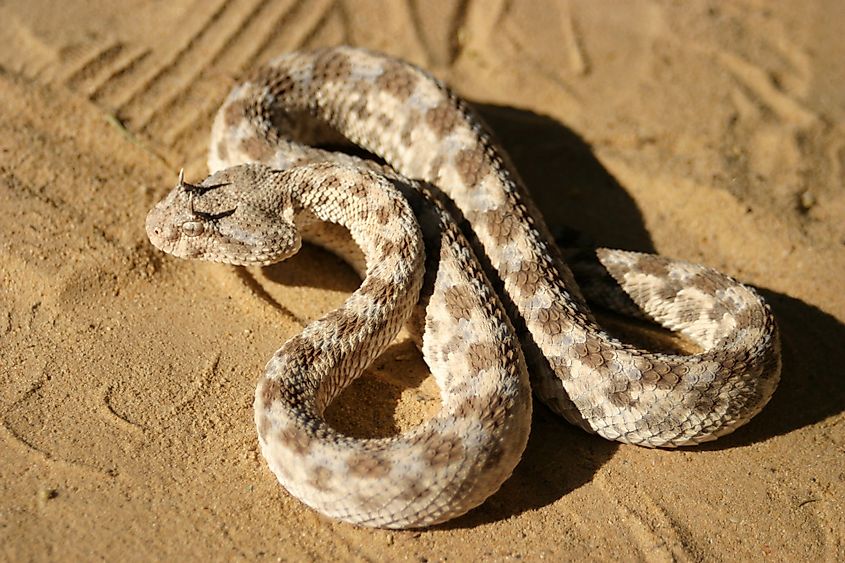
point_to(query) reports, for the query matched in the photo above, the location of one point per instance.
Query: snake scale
(483, 325)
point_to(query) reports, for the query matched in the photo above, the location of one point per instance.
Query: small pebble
(807, 200)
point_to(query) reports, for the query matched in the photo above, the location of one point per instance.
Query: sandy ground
(707, 131)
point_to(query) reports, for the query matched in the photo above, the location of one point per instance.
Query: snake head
(236, 216)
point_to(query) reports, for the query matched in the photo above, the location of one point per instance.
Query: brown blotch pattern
(501, 226)
(357, 189)
(577, 351)
(481, 355)
(443, 118)
(657, 375)
(668, 381)
(371, 466)
(651, 266)
(374, 287)
(472, 165)
(277, 81)
(459, 302)
(528, 279)
(397, 79)
(595, 357)
(382, 215)
(332, 65)
(553, 320)
(295, 439)
(444, 450)
(320, 478)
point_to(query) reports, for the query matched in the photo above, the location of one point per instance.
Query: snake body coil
(451, 463)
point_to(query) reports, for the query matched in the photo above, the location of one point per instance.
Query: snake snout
(160, 230)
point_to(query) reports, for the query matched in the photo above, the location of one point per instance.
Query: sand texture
(708, 131)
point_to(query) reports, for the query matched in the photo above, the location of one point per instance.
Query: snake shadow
(584, 206)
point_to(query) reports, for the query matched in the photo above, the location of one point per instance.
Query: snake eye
(193, 228)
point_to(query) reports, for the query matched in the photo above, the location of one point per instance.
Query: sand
(706, 131)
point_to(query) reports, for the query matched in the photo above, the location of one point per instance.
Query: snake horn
(194, 189)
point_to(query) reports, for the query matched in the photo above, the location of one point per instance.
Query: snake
(438, 223)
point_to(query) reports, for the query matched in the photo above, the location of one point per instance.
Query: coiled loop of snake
(454, 461)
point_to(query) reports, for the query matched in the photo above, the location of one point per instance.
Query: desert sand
(707, 131)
